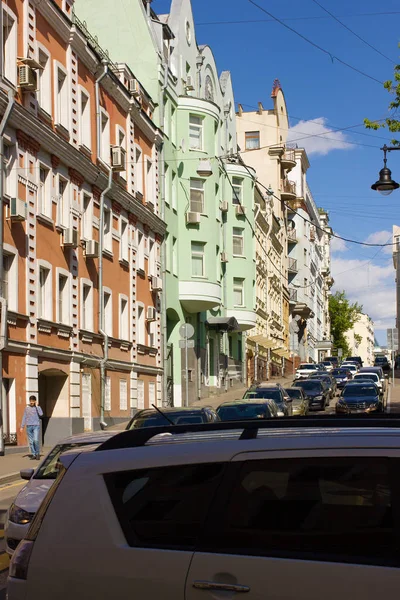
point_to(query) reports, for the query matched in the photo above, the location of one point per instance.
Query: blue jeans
(33, 438)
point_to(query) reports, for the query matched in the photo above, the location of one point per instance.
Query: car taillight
(20, 560)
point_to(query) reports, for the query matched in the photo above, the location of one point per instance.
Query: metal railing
(288, 187)
(292, 235)
(292, 266)
(289, 155)
(292, 295)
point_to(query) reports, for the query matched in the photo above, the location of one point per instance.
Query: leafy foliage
(343, 315)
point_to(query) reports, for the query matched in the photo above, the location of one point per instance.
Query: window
(105, 147)
(63, 203)
(167, 184)
(123, 394)
(10, 280)
(107, 300)
(195, 133)
(87, 217)
(237, 190)
(139, 171)
(329, 509)
(107, 229)
(43, 193)
(166, 117)
(140, 251)
(174, 256)
(10, 173)
(238, 241)
(123, 318)
(124, 243)
(87, 306)
(252, 140)
(164, 507)
(167, 243)
(140, 393)
(63, 304)
(150, 195)
(140, 324)
(152, 333)
(197, 195)
(84, 123)
(10, 46)
(198, 259)
(152, 269)
(173, 125)
(107, 394)
(174, 192)
(238, 292)
(62, 104)
(44, 83)
(152, 393)
(45, 309)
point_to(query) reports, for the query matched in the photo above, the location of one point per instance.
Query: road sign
(186, 343)
(186, 331)
(392, 339)
(340, 352)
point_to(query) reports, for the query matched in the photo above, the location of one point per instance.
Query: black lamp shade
(385, 182)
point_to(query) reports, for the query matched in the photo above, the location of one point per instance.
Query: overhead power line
(319, 18)
(332, 56)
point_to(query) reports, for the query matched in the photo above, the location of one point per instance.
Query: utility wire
(353, 32)
(374, 14)
(333, 57)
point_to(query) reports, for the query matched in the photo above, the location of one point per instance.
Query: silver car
(26, 504)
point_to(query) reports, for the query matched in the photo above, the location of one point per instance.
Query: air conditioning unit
(224, 257)
(189, 83)
(156, 284)
(240, 210)
(224, 206)
(92, 249)
(17, 209)
(151, 313)
(27, 78)
(70, 237)
(118, 158)
(192, 217)
(134, 87)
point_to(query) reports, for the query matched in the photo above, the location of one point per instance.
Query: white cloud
(382, 237)
(304, 133)
(338, 245)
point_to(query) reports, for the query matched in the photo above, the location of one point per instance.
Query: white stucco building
(361, 339)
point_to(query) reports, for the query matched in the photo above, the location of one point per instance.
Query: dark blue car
(342, 377)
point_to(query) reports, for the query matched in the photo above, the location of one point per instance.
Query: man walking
(31, 419)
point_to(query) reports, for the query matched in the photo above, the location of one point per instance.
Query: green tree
(343, 315)
(393, 124)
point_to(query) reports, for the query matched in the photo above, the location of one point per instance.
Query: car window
(243, 411)
(160, 421)
(292, 393)
(49, 468)
(261, 393)
(307, 366)
(309, 386)
(331, 509)
(164, 507)
(359, 390)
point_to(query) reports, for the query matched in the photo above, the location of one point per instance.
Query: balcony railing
(292, 266)
(292, 295)
(288, 187)
(292, 235)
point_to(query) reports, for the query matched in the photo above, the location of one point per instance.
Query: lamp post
(385, 184)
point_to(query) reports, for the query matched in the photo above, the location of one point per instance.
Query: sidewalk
(11, 464)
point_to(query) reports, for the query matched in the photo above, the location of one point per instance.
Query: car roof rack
(135, 438)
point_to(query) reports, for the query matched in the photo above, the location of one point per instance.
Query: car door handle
(224, 587)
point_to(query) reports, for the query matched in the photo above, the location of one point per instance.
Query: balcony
(247, 319)
(292, 236)
(198, 296)
(292, 265)
(288, 190)
(288, 160)
(292, 296)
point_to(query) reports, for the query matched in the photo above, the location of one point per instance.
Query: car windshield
(307, 367)
(159, 421)
(371, 377)
(263, 393)
(327, 363)
(381, 359)
(293, 393)
(309, 386)
(243, 411)
(50, 467)
(359, 390)
(339, 372)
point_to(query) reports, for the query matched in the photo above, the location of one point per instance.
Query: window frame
(198, 254)
(235, 288)
(140, 249)
(61, 97)
(236, 237)
(237, 186)
(108, 311)
(140, 324)
(44, 201)
(139, 176)
(63, 202)
(44, 94)
(123, 317)
(87, 216)
(9, 56)
(250, 135)
(124, 239)
(85, 124)
(198, 190)
(86, 316)
(45, 299)
(199, 129)
(105, 137)
(108, 217)
(10, 253)
(65, 299)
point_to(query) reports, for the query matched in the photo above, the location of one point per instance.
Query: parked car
(329, 380)
(374, 377)
(273, 391)
(317, 393)
(150, 417)
(380, 372)
(356, 359)
(327, 365)
(360, 397)
(299, 400)
(241, 410)
(353, 367)
(30, 497)
(221, 513)
(342, 377)
(382, 361)
(304, 370)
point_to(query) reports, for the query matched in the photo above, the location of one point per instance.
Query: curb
(4, 479)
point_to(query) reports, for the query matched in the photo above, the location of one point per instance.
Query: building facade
(81, 224)
(361, 339)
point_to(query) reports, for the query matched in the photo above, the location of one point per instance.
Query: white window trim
(174, 190)
(46, 202)
(64, 121)
(59, 319)
(203, 211)
(83, 141)
(107, 394)
(203, 255)
(152, 252)
(140, 332)
(140, 250)
(105, 138)
(108, 324)
(241, 236)
(12, 300)
(108, 238)
(199, 128)
(49, 289)
(118, 130)
(242, 290)
(150, 181)
(64, 216)
(89, 216)
(139, 180)
(152, 332)
(122, 326)
(88, 283)
(124, 256)
(236, 201)
(175, 256)
(9, 66)
(125, 405)
(10, 167)
(46, 105)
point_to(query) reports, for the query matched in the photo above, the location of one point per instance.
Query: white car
(304, 370)
(29, 499)
(328, 365)
(374, 377)
(352, 367)
(201, 512)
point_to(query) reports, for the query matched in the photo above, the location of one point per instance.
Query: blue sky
(345, 163)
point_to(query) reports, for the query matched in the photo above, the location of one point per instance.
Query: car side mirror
(26, 473)
(288, 399)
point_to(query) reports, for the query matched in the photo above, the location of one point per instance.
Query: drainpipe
(3, 301)
(104, 360)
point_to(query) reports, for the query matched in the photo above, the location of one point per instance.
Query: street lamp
(385, 184)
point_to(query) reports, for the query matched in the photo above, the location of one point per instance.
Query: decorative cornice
(55, 161)
(116, 208)
(26, 142)
(76, 177)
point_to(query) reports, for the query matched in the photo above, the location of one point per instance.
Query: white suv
(305, 370)
(275, 509)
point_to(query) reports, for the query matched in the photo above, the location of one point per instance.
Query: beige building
(361, 339)
(261, 136)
